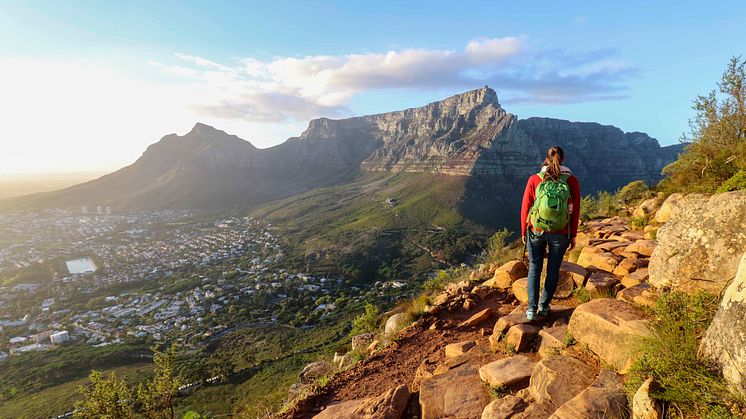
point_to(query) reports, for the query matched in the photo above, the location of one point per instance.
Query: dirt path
(397, 364)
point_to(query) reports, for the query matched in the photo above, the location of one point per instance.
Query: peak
(482, 96)
(200, 128)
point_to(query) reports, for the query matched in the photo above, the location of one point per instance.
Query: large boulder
(559, 378)
(605, 398)
(700, 245)
(514, 371)
(508, 273)
(611, 329)
(664, 212)
(395, 323)
(389, 405)
(725, 340)
(457, 393)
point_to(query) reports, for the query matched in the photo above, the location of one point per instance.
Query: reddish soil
(396, 364)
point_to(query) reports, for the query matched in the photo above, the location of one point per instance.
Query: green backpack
(549, 211)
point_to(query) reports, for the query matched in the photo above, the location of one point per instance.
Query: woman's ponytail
(553, 162)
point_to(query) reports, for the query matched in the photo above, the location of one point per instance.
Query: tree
(156, 396)
(366, 322)
(717, 143)
(105, 398)
(111, 398)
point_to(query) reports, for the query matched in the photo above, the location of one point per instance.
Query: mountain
(469, 136)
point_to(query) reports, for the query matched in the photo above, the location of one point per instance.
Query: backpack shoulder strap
(564, 177)
(540, 175)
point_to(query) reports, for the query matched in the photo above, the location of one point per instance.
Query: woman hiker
(549, 219)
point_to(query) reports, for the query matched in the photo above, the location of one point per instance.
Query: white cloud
(299, 88)
(72, 115)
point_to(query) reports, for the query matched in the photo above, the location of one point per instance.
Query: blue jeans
(537, 246)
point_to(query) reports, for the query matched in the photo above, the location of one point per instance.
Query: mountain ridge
(467, 134)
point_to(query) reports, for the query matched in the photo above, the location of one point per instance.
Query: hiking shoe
(543, 311)
(530, 314)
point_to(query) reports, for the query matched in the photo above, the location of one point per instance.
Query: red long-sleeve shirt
(529, 196)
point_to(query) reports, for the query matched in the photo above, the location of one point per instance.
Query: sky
(88, 85)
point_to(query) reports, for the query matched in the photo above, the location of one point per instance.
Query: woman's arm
(529, 195)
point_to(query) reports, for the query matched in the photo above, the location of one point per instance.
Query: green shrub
(497, 249)
(366, 322)
(736, 183)
(669, 356)
(582, 295)
(588, 208)
(633, 192)
(717, 144)
(640, 222)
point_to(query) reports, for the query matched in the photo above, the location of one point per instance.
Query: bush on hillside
(670, 357)
(633, 193)
(717, 143)
(366, 322)
(736, 183)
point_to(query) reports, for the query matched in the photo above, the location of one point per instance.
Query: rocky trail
(474, 354)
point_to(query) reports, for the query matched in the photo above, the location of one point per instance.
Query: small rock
(438, 324)
(647, 207)
(509, 372)
(522, 337)
(559, 378)
(509, 273)
(565, 286)
(610, 246)
(643, 247)
(575, 271)
(628, 294)
(373, 345)
(481, 291)
(605, 398)
(455, 349)
(458, 393)
(520, 290)
(477, 318)
(440, 299)
(469, 304)
(601, 284)
(314, 371)
(601, 260)
(636, 277)
(362, 341)
(627, 266)
(420, 374)
(643, 405)
(503, 408)
(552, 340)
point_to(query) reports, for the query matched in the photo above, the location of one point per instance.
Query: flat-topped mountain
(467, 135)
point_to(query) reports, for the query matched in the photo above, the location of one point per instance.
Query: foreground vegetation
(688, 385)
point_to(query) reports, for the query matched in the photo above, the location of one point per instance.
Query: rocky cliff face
(467, 135)
(471, 135)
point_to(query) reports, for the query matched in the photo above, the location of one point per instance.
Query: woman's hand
(523, 239)
(572, 244)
